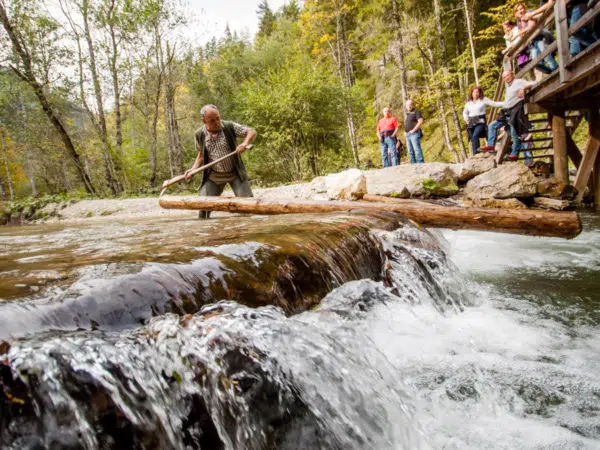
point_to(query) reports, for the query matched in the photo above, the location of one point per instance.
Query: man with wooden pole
(214, 140)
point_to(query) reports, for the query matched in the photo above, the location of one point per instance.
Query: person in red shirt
(387, 128)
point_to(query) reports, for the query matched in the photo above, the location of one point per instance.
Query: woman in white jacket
(474, 115)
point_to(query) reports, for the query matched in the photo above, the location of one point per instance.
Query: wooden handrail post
(562, 36)
(559, 140)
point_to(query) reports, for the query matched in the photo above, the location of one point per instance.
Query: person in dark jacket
(513, 113)
(215, 139)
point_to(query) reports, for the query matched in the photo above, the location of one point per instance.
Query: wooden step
(533, 149)
(541, 139)
(536, 157)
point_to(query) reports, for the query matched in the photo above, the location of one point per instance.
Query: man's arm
(249, 139)
(418, 125)
(197, 163)
(534, 14)
(526, 85)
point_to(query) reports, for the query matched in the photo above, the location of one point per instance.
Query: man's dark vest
(229, 132)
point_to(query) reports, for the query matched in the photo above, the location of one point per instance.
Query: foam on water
(438, 355)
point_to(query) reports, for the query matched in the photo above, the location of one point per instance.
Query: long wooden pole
(517, 221)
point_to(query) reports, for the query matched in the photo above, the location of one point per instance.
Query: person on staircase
(527, 19)
(474, 116)
(512, 114)
(585, 36)
(215, 139)
(387, 130)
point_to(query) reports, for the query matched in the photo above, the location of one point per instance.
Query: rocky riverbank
(477, 182)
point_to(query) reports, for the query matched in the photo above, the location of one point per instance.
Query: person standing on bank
(412, 127)
(387, 129)
(474, 116)
(215, 139)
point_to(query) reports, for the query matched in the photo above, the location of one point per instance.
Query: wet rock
(291, 267)
(510, 180)
(420, 180)
(476, 165)
(509, 203)
(554, 188)
(552, 203)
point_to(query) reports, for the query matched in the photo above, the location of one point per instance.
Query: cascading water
(424, 354)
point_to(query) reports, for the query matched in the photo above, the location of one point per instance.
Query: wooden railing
(556, 16)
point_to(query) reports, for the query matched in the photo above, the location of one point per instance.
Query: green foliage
(430, 184)
(309, 72)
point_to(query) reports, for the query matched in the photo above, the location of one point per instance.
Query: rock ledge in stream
(420, 180)
(510, 180)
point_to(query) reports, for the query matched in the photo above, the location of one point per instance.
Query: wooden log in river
(517, 221)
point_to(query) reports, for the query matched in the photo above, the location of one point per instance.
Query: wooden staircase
(560, 102)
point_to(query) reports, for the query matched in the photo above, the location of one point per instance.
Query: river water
(297, 332)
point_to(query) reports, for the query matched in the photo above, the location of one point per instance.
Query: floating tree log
(517, 221)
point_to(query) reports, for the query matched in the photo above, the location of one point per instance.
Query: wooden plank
(537, 157)
(573, 152)
(596, 186)
(562, 39)
(504, 148)
(534, 108)
(583, 65)
(517, 221)
(590, 155)
(497, 97)
(559, 141)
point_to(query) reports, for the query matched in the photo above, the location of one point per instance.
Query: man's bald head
(211, 117)
(508, 76)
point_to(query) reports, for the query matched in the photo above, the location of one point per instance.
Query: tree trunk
(172, 128)
(31, 173)
(516, 221)
(65, 172)
(28, 77)
(471, 42)
(399, 52)
(111, 179)
(342, 55)
(8, 176)
(156, 104)
(442, 39)
(441, 109)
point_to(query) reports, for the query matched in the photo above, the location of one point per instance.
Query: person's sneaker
(512, 157)
(487, 148)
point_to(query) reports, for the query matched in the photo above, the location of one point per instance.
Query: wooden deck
(563, 100)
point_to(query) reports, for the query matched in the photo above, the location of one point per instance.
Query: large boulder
(476, 165)
(420, 180)
(510, 180)
(348, 185)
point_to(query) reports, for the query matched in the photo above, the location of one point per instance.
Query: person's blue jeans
(583, 38)
(548, 64)
(493, 129)
(389, 143)
(413, 142)
(475, 133)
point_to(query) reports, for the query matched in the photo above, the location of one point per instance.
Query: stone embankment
(477, 182)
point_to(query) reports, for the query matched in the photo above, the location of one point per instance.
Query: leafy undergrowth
(32, 208)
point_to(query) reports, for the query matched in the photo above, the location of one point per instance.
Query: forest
(102, 97)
